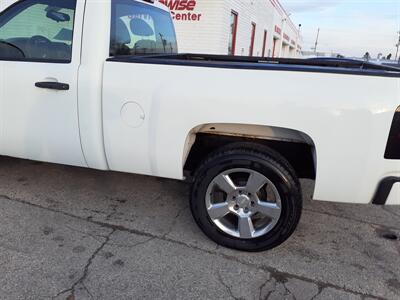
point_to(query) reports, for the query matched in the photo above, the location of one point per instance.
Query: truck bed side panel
(348, 118)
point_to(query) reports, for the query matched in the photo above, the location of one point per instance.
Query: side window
(140, 29)
(38, 30)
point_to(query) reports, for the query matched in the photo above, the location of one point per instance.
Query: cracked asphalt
(71, 233)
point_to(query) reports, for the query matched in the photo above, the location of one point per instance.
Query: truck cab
(100, 84)
(45, 49)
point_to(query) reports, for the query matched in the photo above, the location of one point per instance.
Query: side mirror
(58, 16)
(141, 28)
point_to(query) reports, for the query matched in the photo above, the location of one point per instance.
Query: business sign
(182, 10)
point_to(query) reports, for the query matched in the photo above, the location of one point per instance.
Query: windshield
(141, 29)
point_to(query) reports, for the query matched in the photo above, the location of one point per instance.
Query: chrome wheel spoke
(246, 228)
(271, 210)
(255, 182)
(218, 211)
(225, 183)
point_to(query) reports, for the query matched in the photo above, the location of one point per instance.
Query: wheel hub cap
(243, 201)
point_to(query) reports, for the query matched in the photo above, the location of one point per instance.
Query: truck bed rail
(319, 65)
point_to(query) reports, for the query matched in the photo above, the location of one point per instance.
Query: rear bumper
(388, 191)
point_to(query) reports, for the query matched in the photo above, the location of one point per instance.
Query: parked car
(100, 84)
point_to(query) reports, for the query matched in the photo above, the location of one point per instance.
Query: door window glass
(38, 30)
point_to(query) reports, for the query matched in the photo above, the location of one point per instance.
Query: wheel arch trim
(249, 131)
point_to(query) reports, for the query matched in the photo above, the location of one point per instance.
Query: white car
(99, 84)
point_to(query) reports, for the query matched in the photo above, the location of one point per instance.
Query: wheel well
(300, 155)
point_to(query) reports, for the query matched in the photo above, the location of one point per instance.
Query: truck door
(40, 56)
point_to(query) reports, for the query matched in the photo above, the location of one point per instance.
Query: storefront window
(264, 43)
(253, 35)
(274, 47)
(232, 35)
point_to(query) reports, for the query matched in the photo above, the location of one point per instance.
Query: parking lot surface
(71, 233)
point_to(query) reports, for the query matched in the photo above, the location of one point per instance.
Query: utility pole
(316, 42)
(298, 41)
(397, 48)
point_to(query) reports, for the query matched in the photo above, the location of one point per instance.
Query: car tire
(220, 188)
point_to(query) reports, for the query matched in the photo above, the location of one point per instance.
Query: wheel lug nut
(246, 210)
(236, 207)
(252, 203)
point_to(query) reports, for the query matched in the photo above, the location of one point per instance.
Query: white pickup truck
(99, 84)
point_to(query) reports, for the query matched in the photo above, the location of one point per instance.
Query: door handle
(52, 85)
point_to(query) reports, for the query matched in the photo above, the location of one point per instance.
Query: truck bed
(319, 65)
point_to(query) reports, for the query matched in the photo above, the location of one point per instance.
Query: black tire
(265, 161)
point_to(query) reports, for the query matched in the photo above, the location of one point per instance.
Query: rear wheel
(246, 197)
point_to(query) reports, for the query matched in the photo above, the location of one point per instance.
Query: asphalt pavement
(73, 233)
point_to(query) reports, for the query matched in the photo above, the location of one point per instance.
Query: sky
(348, 27)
